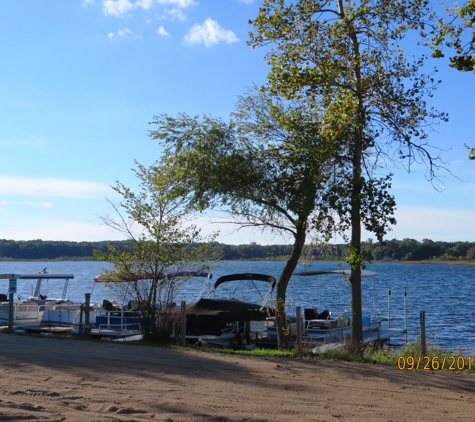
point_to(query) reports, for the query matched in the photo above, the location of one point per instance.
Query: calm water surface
(446, 293)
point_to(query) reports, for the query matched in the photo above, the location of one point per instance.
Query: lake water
(445, 292)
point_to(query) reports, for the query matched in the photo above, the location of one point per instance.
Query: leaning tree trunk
(283, 329)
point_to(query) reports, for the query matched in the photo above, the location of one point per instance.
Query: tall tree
(271, 168)
(347, 62)
(457, 33)
(161, 242)
(268, 167)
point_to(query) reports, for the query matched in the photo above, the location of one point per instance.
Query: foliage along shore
(407, 250)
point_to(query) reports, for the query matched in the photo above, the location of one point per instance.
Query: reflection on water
(444, 292)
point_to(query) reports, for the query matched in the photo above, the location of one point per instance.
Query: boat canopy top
(190, 274)
(246, 276)
(37, 276)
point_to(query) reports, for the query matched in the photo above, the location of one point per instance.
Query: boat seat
(313, 314)
(3, 297)
(322, 324)
(108, 306)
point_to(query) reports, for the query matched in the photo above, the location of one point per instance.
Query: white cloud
(161, 31)
(246, 1)
(174, 14)
(50, 186)
(180, 3)
(119, 7)
(210, 33)
(124, 32)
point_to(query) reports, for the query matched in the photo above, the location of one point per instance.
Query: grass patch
(410, 357)
(371, 353)
(270, 353)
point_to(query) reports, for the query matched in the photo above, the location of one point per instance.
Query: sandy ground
(50, 379)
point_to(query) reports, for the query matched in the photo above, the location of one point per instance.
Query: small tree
(160, 243)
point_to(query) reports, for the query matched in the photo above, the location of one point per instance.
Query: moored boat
(334, 332)
(29, 311)
(225, 322)
(126, 322)
(322, 330)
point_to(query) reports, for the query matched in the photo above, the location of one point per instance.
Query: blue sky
(81, 79)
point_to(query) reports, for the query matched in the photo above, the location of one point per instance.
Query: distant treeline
(412, 250)
(49, 249)
(401, 250)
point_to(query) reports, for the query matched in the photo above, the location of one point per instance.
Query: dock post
(405, 315)
(87, 317)
(389, 307)
(80, 321)
(85, 329)
(10, 312)
(299, 328)
(423, 334)
(11, 290)
(183, 323)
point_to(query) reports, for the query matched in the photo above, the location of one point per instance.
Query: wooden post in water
(183, 323)
(389, 308)
(405, 316)
(299, 328)
(423, 334)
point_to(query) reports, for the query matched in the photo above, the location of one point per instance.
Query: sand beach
(49, 379)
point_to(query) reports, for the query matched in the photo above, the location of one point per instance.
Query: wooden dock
(381, 336)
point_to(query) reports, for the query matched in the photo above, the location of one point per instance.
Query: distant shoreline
(406, 250)
(466, 263)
